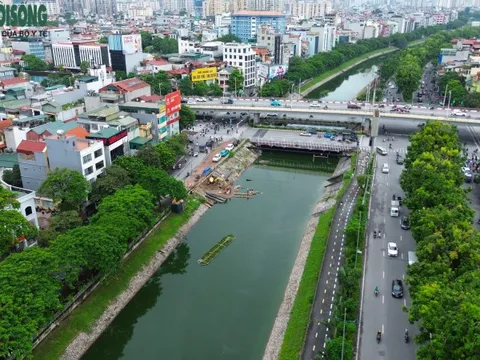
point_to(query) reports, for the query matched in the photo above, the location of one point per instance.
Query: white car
(385, 169)
(315, 104)
(217, 157)
(459, 113)
(201, 99)
(392, 249)
(229, 147)
(305, 134)
(191, 102)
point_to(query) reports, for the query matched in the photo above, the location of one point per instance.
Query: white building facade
(241, 56)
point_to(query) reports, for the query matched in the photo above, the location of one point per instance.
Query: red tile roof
(18, 52)
(29, 147)
(5, 123)
(261, 51)
(13, 81)
(78, 132)
(179, 71)
(151, 98)
(127, 85)
(158, 62)
(468, 42)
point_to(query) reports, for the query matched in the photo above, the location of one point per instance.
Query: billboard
(132, 43)
(204, 74)
(173, 102)
(271, 72)
(111, 140)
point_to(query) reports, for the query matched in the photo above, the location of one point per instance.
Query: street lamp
(445, 96)
(291, 95)
(449, 99)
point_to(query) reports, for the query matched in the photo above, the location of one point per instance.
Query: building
(7, 73)
(127, 90)
(82, 155)
(26, 200)
(115, 143)
(71, 54)
(14, 83)
(125, 52)
(58, 35)
(245, 24)
(241, 56)
(309, 10)
(33, 163)
(39, 133)
(31, 46)
(154, 66)
(214, 7)
(107, 8)
(327, 37)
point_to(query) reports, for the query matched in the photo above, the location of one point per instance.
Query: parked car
(392, 249)
(229, 147)
(399, 160)
(224, 153)
(397, 288)
(353, 106)
(217, 157)
(405, 223)
(191, 102)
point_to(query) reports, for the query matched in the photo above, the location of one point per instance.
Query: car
(217, 157)
(468, 176)
(210, 98)
(399, 160)
(305, 134)
(272, 114)
(465, 169)
(459, 113)
(191, 102)
(224, 153)
(385, 169)
(392, 249)
(184, 101)
(275, 103)
(315, 104)
(243, 113)
(397, 288)
(353, 106)
(229, 147)
(201, 99)
(405, 223)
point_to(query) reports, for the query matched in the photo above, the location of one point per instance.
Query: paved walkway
(323, 311)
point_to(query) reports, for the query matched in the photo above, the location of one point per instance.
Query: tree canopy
(34, 63)
(187, 117)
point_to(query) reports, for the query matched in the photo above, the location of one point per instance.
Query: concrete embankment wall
(327, 201)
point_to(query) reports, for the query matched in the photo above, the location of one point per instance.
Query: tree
(84, 66)
(160, 82)
(64, 221)
(215, 89)
(114, 178)
(167, 156)
(150, 156)
(186, 86)
(147, 39)
(165, 45)
(13, 177)
(132, 164)
(235, 81)
(187, 117)
(178, 143)
(160, 184)
(34, 63)
(200, 88)
(103, 40)
(67, 186)
(229, 38)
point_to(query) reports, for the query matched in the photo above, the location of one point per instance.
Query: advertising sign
(204, 74)
(132, 44)
(276, 71)
(173, 102)
(111, 140)
(263, 70)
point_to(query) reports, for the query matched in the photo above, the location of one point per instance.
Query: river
(224, 310)
(346, 87)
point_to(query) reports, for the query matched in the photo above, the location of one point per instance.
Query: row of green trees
(445, 282)
(39, 281)
(407, 66)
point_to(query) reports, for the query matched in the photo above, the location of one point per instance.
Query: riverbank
(99, 309)
(329, 75)
(294, 312)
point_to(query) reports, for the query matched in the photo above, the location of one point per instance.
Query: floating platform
(211, 254)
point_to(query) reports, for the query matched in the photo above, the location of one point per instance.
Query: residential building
(26, 200)
(222, 77)
(245, 24)
(82, 155)
(327, 37)
(266, 38)
(3, 139)
(214, 7)
(7, 73)
(154, 66)
(39, 133)
(71, 54)
(127, 90)
(31, 46)
(15, 82)
(33, 163)
(115, 143)
(97, 79)
(266, 5)
(57, 112)
(125, 52)
(241, 56)
(58, 35)
(308, 10)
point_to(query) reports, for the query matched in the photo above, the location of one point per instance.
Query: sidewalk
(322, 313)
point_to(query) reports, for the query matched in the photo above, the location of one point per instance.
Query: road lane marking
(333, 292)
(313, 347)
(324, 345)
(334, 286)
(383, 329)
(325, 291)
(383, 299)
(403, 276)
(326, 282)
(401, 237)
(321, 312)
(328, 321)
(323, 300)
(316, 335)
(333, 299)
(404, 302)
(384, 220)
(383, 253)
(337, 267)
(383, 272)
(329, 273)
(331, 306)
(401, 256)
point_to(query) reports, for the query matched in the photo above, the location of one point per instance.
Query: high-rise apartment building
(245, 24)
(309, 9)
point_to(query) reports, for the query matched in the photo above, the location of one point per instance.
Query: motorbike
(379, 234)
(394, 197)
(376, 292)
(325, 107)
(375, 233)
(406, 336)
(379, 336)
(390, 146)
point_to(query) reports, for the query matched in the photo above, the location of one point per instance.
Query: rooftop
(158, 62)
(8, 160)
(5, 68)
(127, 85)
(53, 127)
(256, 13)
(105, 133)
(103, 111)
(140, 105)
(13, 81)
(29, 119)
(5, 123)
(29, 146)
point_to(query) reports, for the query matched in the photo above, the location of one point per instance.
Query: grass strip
(215, 250)
(344, 65)
(85, 315)
(300, 316)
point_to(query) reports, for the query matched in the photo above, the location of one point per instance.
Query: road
(322, 310)
(305, 105)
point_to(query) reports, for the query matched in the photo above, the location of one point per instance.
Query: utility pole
(445, 96)
(358, 236)
(343, 340)
(449, 100)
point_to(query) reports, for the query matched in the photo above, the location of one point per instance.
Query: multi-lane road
(249, 105)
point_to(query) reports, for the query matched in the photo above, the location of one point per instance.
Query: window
(99, 165)
(87, 158)
(98, 153)
(88, 170)
(28, 211)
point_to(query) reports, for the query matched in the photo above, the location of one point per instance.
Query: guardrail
(305, 145)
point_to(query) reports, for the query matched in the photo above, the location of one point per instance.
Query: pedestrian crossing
(402, 151)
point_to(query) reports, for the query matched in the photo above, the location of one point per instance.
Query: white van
(412, 257)
(381, 151)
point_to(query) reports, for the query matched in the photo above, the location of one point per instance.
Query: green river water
(224, 310)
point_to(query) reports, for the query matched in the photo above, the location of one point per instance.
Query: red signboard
(110, 140)
(173, 102)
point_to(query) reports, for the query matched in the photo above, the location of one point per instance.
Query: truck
(275, 103)
(395, 208)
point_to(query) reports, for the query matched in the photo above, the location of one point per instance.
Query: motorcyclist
(406, 336)
(379, 335)
(390, 146)
(375, 234)
(379, 233)
(376, 290)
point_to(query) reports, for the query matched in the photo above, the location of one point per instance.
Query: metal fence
(306, 145)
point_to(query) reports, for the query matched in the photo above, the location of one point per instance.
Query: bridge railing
(308, 145)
